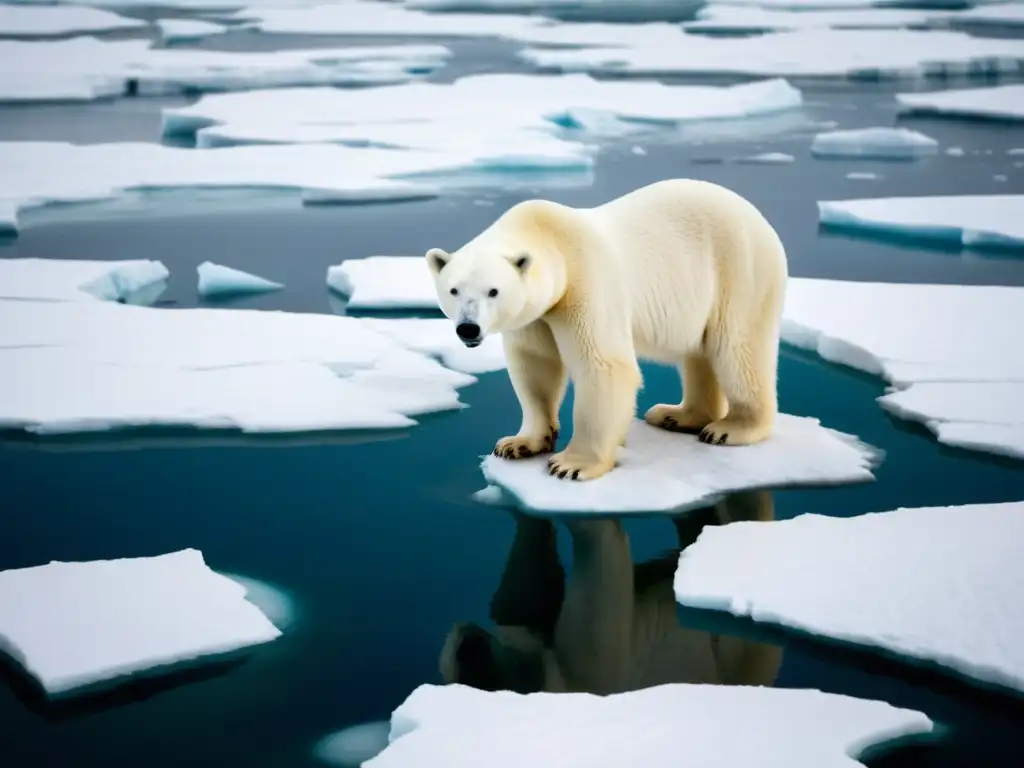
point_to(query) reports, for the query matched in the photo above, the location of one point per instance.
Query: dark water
(377, 543)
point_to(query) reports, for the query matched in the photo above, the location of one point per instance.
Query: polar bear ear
(437, 259)
(521, 261)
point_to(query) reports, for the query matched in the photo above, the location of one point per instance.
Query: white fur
(681, 271)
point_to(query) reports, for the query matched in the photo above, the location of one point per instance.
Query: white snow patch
(931, 584)
(454, 725)
(353, 746)
(86, 624)
(1000, 101)
(188, 30)
(868, 54)
(768, 158)
(660, 471)
(874, 143)
(138, 281)
(436, 337)
(518, 120)
(384, 282)
(53, 20)
(949, 340)
(976, 221)
(93, 366)
(218, 280)
(725, 18)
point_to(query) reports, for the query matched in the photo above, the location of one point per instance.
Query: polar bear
(681, 271)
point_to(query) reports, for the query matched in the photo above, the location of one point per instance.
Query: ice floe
(86, 625)
(874, 144)
(218, 280)
(455, 726)
(94, 366)
(187, 30)
(661, 472)
(812, 53)
(436, 337)
(515, 119)
(1002, 14)
(938, 585)
(728, 18)
(633, 11)
(86, 67)
(353, 746)
(55, 20)
(974, 221)
(138, 281)
(768, 158)
(384, 282)
(1004, 102)
(951, 341)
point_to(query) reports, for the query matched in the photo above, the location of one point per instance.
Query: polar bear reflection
(613, 627)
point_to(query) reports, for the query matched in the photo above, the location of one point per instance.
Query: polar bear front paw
(568, 467)
(734, 432)
(525, 446)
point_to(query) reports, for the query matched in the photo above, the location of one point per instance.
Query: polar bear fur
(682, 272)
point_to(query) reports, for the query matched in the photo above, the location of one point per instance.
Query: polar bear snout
(469, 334)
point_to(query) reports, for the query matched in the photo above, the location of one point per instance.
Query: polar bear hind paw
(734, 432)
(675, 418)
(566, 468)
(525, 446)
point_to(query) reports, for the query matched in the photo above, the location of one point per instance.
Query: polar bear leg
(539, 380)
(703, 400)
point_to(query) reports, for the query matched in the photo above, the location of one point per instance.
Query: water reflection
(612, 626)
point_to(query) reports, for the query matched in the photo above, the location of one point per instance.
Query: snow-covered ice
(877, 143)
(517, 119)
(1004, 102)
(867, 54)
(54, 20)
(93, 366)
(351, 747)
(76, 625)
(83, 68)
(729, 18)
(938, 585)
(384, 282)
(138, 281)
(188, 30)
(457, 726)
(218, 280)
(662, 472)
(951, 341)
(975, 221)
(436, 337)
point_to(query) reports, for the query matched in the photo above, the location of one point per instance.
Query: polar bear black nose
(468, 331)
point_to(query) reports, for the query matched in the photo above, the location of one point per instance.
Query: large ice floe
(513, 118)
(55, 20)
(810, 53)
(973, 221)
(876, 143)
(719, 17)
(84, 626)
(945, 348)
(457, 726)
(661, 471)
(1003, 102)
(84, 68)
(933, 585)
(138, 281)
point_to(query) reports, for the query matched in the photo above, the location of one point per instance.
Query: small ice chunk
(1000, 177)
(456, 726)
(862, 175)
(187, 30)
(90, 624)
(436, 337)
(54, 20)
(955, 152)
(721, 17)
(874, 143)
(974, 221)
(662, 472)
(1001, 101)
(490, 495)
(934, 584)
(384, 282)
(638, 150)
(768, 158)
(353, 746)
(137, 281)
(218, 280)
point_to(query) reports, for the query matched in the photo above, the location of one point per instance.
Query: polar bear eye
(454, 291)
(493, 292)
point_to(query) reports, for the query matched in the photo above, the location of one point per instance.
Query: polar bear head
(481, 291)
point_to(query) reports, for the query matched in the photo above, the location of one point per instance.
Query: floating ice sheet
(811, 53)
(91, 624)
(874, 144)
(976, 221)
(137, 281)
(937, 585)
(514, 119)
(461, 727)
(93, 366)
(1001, 101)
(86, 67)
(728, 18)
(188, 30)
(950, 340)
(662, 472)
(384, 282)
(54, 20)
(218, 280)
